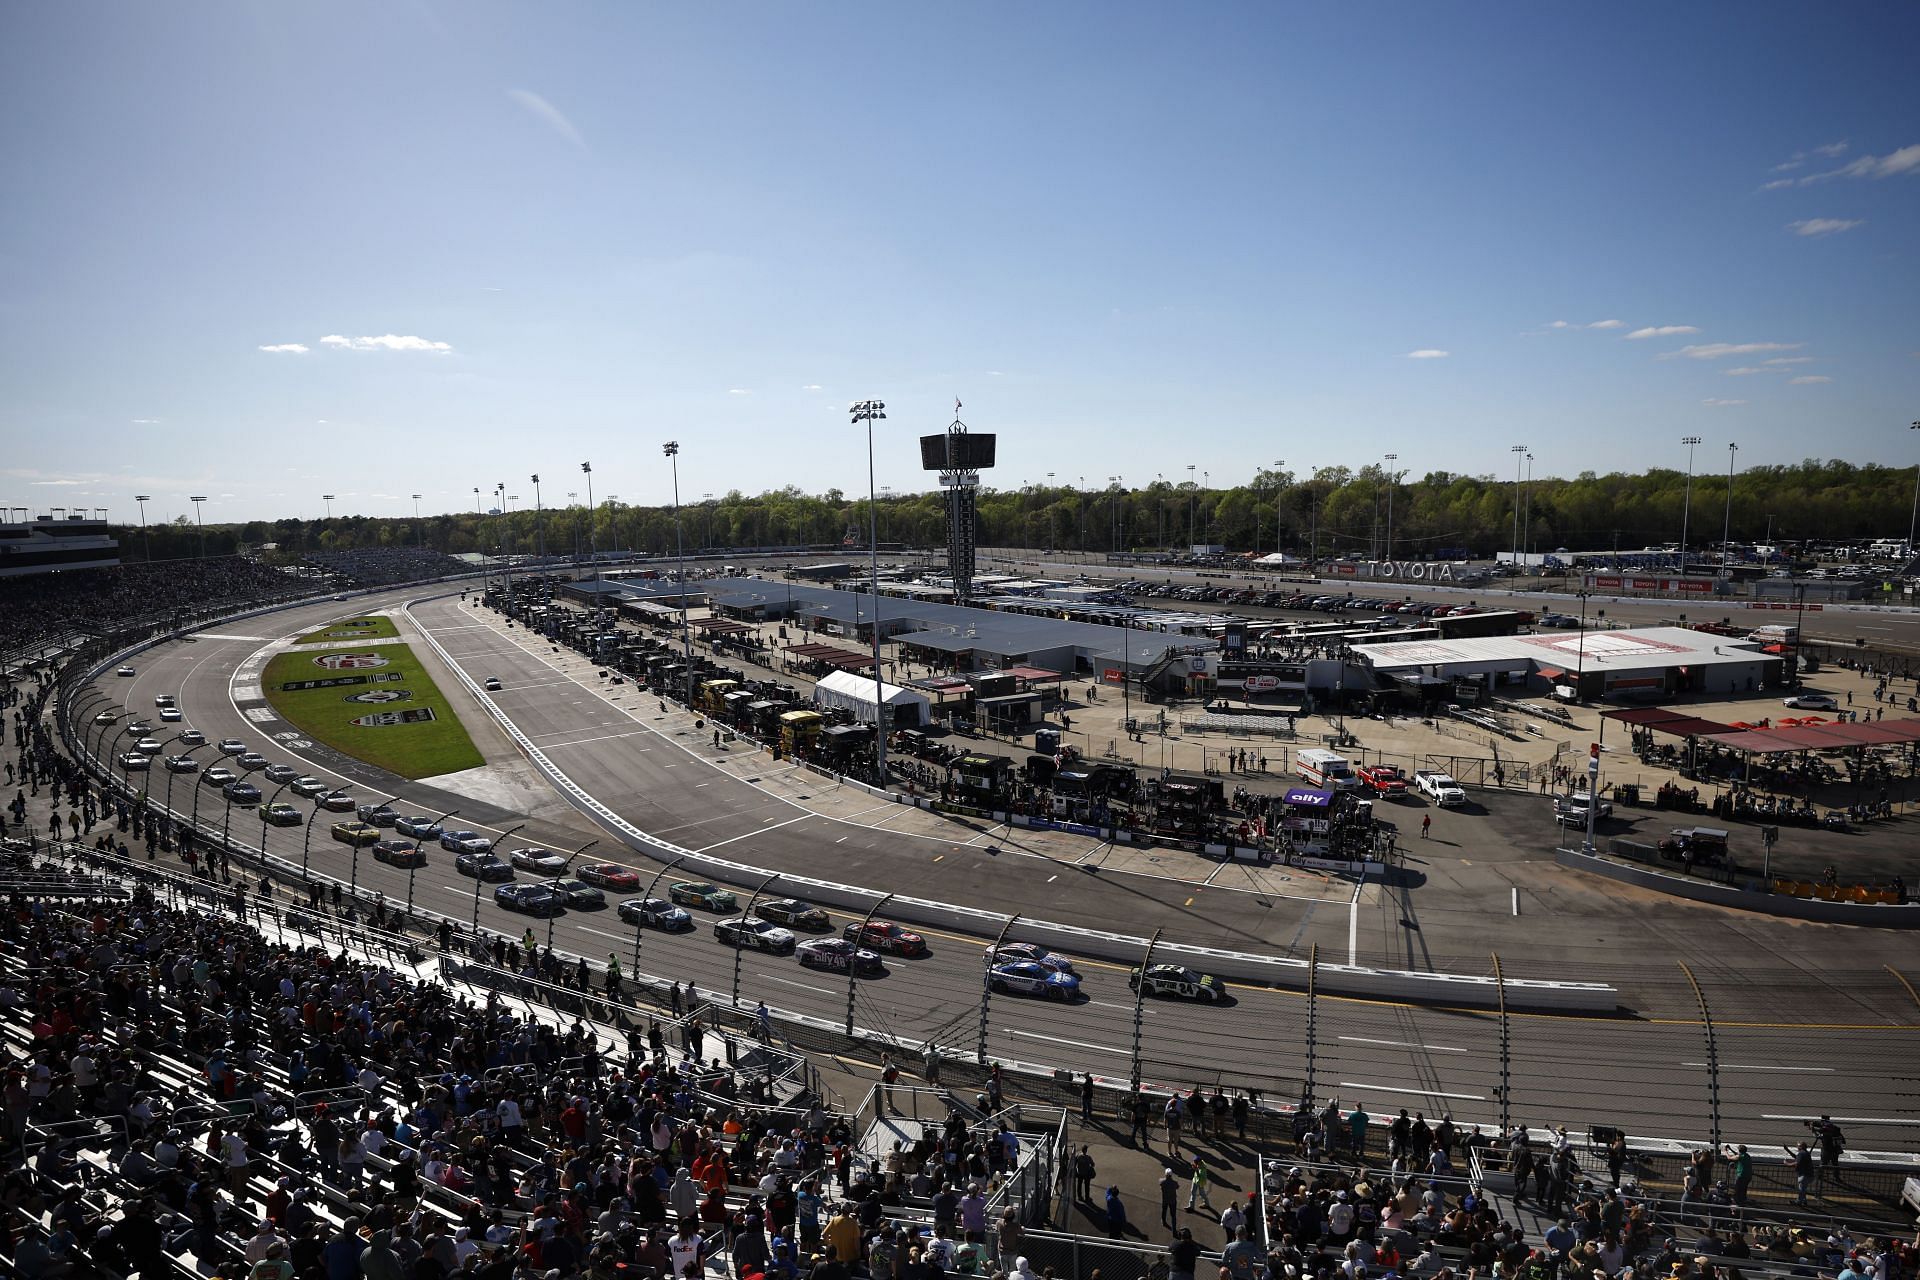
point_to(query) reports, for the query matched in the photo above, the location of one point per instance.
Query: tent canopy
(1822, 737)
(908, 708)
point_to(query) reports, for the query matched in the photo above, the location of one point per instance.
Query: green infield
(362, 628)
(377, 705)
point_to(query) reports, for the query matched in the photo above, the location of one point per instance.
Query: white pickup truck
(1572, 810)
(1439, 788)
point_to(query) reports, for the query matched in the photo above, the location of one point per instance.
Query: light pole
(306, 843)
(328, 499)
(1191, 493)
(640, 917)
(1391, 459)
(1913, 521)
(1081, 497)
(1517, 451)
(419, 539)
(1049, 513)
(1726, 530)
(199, 523)
(738, 950)
(171, 775)
(1526, 521)
(144, 498)
(1279, 489)
(353, 885)
(539, 519)
(672, 449)
(1115, 525)
(413, 863)
(477, 882)
(593, 550)
(1686, 507)
(553, 886)
(867, 411)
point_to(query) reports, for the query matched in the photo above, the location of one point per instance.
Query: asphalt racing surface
(1811, 1018)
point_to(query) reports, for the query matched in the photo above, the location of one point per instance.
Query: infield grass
(420, 750)
(355, 628)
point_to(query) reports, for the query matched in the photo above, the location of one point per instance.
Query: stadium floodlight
(868, 411)
(143, 499)
(1686, 506)
(196, 500)
(328, 499)
(672, 450)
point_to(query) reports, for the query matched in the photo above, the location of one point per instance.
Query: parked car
(838, 954)
(358, 834)
(655, 913)
(1180, 981)
(752, 931)
(1024, 977)
(419, 826)
(281, 815)
(483, 866)
(399, 853)
(532, 899)
(609, 875)
(1813, 702)
(795, 913)
(700, 893)
(540, 861)
(1439, 788)
(886, 936)
(1571, 811)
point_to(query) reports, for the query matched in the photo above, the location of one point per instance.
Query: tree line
(1332, 511)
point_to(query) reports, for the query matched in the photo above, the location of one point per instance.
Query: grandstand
(382, 566)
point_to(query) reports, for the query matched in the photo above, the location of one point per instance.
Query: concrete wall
(1904, 916)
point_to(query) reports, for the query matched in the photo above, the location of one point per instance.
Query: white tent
(1278, 560)
(907, 709)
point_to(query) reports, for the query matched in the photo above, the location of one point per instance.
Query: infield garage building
(1645, 663)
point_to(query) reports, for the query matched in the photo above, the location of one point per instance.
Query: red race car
(609, 875)
(886, 936)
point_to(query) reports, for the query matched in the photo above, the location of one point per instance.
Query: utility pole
(867, 411)
(1726, 530)
(1517, 451)
(144, 498)
(1391, 459)
(1686, 509)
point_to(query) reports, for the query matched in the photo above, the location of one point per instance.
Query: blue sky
(497, 239)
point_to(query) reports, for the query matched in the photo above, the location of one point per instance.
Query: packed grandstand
(207, 1080)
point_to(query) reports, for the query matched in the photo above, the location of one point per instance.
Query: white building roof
(1642, 649)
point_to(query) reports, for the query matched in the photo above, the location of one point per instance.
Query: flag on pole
(956, 404)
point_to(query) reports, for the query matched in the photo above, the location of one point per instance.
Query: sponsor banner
(1260, 684)
(1071, 828)
(1113, 675)
(380, 695)
(336, 682)
(349, 661)
(386, 719)
(1417, 570)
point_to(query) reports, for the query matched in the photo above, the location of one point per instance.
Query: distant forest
(1336, 510)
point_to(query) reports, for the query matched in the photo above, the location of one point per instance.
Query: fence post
(1713, 1056)
(853, 969)
(1313, 1012)
(1139, 1014)
(986, 988)
(1506, 1048)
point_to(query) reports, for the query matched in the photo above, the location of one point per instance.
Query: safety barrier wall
(1452, 989)
(1873, 915)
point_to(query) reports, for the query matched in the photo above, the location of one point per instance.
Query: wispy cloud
(1893, 164)
(1799, 158)
(738, 391)
(1597, 324)
(385, 342)
(1744, 370)
(1428, 353)
(548, 114)
(1808, 379)
(1824, 226)
(61, 484)
(811, 386)
(1720, 350)
(1721, 404)
(145, 422)
(1789, 360)
(287, 348)
(1662, 331)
